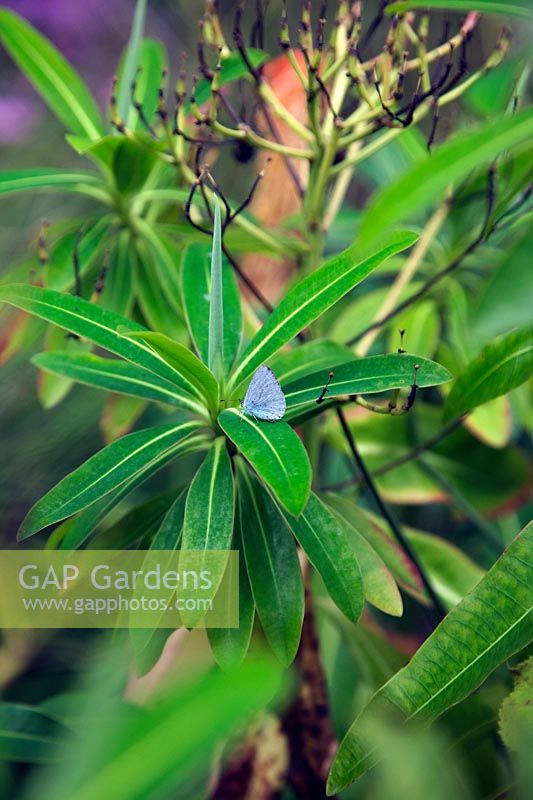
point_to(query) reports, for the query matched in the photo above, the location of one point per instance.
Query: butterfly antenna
(325, 389)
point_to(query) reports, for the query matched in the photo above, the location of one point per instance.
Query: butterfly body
(264, 399)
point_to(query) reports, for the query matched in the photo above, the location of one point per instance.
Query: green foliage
(457, 657)
(45, 67)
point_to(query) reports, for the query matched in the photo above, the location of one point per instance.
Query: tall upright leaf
(196, 289)
(53, 77)
(311, 296)
(131, 60)
(216, 302)
(458, 656)
(273, 567)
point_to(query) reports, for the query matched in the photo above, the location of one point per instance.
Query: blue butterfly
(264, 398)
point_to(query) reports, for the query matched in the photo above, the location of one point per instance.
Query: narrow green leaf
(131, 60)
(89, 240)
(29, 180)
(424, 184)
(450, 571)
(103, 472)
(53, 388)
(327, 547)
(273, 567)
(514, 8)
(99, 326)
(458, 656)
(230, 645)
(215, 358)
(500, 367)
(196, 290)
(276, 453)
(379, 586)
(73, 533)
(201, 379)
(209, 513)
(311, 296)
(365, 376)
(108, 373)
(152, 59)
(133, 162)
(209, 510)
(53, 77)
(28, 734)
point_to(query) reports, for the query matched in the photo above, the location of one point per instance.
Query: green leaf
(73, 533)
(133, 162)
(190, 368)
(326, 545)
(131, 60)
(99, 326)
(276, 453)
(451, 573)
(89, 241)
(311, 296)
(215, 353)
(516, 8)
(209, 514)
(108, 373)
(196, 290)
(230, 645)
(366, 375)
(273, 567)
(210, 502)
(120, 415)
(28, 734)
(28, 180)
(423, 185)
(500, 367)
(123, 755)
(379, 537)
(103, 472)
(458, 656)
(379, 586)
(505, 302)
(53, 77)
(516, 712)
(151, 60)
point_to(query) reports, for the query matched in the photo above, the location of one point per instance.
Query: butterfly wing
(264, 398)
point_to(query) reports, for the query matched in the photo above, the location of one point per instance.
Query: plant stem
(439, 612)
